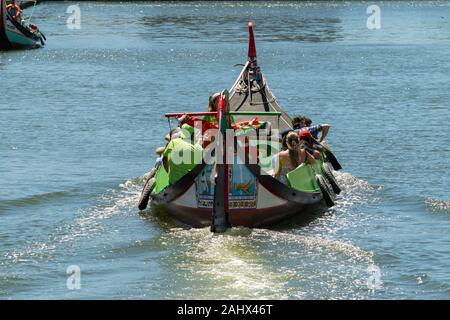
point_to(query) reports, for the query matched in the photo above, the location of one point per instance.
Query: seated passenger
(207, 122)
(291, 158)
(181, 155)
(173, 134)
(303, 123)
(212, 102)
(315, 130)
(310, 144)
(298, 122)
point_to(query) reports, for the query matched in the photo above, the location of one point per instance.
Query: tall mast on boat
(253, 68)
(220, 222)
(251, 44)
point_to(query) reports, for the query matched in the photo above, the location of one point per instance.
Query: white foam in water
(437, 205)
(241, 264)
(87, 224)
(263, 264)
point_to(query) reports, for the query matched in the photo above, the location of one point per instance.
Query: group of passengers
(299, 144)
(14, 10)
(16, 13)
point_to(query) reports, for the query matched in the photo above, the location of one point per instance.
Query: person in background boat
(289, 159)
(14, 10)
(175, 150)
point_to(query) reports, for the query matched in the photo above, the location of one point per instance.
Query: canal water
(80, 119)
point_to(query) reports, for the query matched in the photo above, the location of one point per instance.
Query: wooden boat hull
(13, 35)
(273, 201)
(262, 218)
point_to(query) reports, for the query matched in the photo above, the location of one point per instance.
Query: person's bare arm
(309, 158)
(325, 129)
(277, 166)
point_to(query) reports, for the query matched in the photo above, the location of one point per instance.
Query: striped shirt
(314, 130)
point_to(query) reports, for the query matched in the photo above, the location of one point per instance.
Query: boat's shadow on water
(21, 49)
(302, 220)
(161, 219)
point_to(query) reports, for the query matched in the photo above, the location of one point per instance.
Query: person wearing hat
(181, 155)
(310, 144)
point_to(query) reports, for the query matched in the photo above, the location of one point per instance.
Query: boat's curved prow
(250, 91)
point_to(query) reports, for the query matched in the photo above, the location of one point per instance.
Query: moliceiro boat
(233, 183)
(15, 31)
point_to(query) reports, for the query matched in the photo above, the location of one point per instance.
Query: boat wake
(88, 223)
(311, 262)
(32, 200)
(437, 205)
(349, 209)
(264, 264)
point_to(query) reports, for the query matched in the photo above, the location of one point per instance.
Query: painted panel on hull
(242, 186)
(205, 188)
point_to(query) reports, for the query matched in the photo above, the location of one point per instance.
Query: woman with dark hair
(291, 158)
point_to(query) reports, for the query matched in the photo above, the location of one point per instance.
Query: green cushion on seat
(162, 180)
(303, 179)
